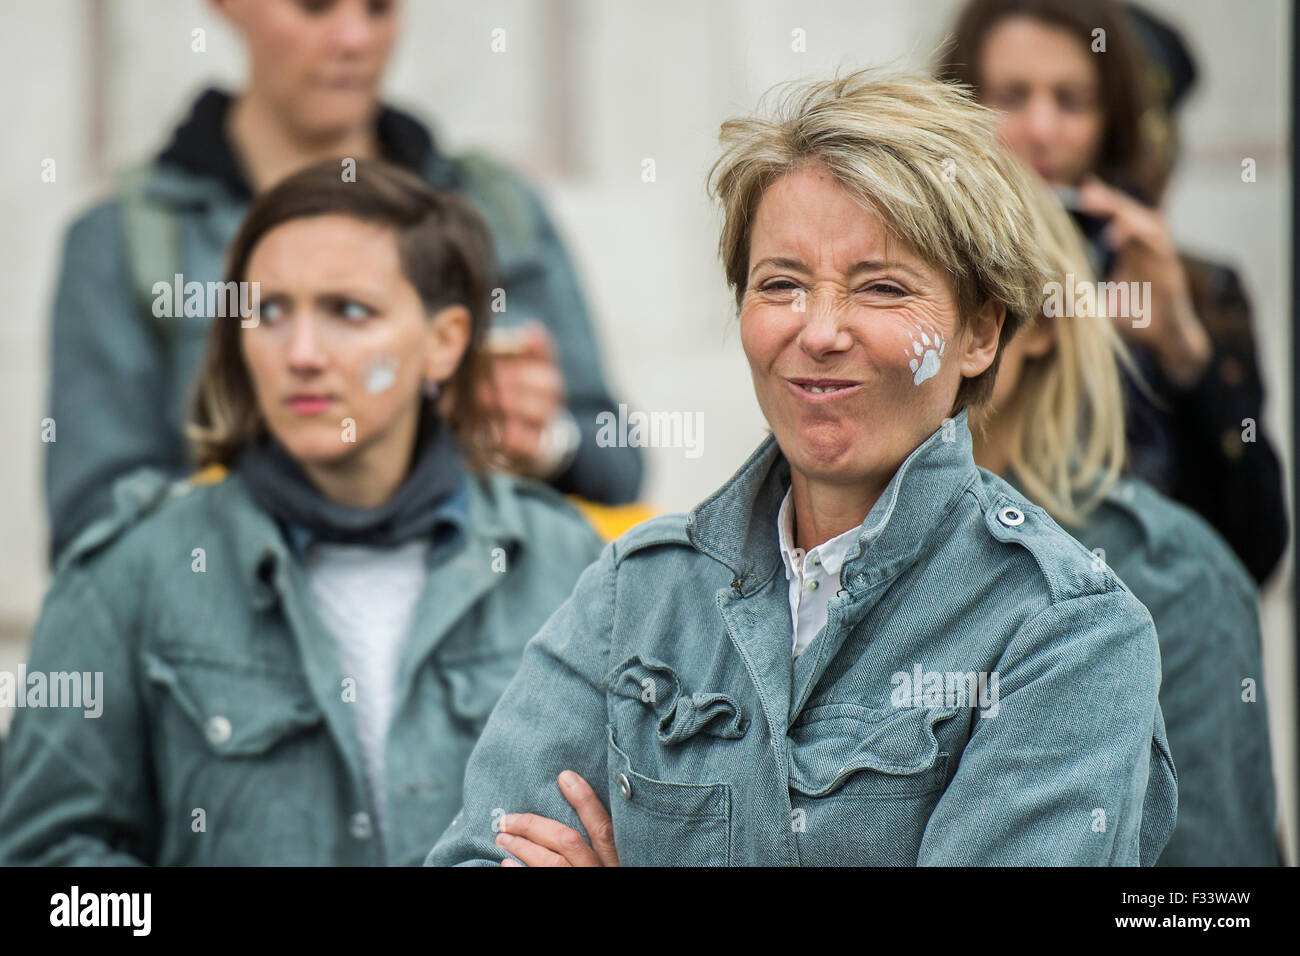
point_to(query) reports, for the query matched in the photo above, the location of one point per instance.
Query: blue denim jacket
(666, 680)
(226, 736)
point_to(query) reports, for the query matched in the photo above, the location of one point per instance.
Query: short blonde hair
(1068, 441)
(924, 158)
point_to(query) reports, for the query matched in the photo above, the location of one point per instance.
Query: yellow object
(610, 521)
(209, 475)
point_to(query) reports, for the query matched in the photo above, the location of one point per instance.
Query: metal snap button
(625, 786)
(1011, 517)
(360, 827)
(217, 730)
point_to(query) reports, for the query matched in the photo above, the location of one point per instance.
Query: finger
(1129, 220)
(488, 393)
(595, 818)
(1097, 198)
(1126, 330)
(536, 340)
(535, 409)
(1122, 234)
(529, 852)
(521, 440)
(550, 834)
(534, 399)
(539, 375)
(529, 374)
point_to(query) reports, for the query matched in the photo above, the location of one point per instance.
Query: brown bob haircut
(1137, 141)
(446, 253)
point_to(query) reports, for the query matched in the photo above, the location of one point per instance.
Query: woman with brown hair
(299, 647)
(1077, 103)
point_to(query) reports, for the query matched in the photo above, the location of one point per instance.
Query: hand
(541, 841)
(1145, 252)
(525, 394)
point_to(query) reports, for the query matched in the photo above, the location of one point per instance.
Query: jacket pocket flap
(238, 707)
(833, 742)
(682, 800)
(680, 715)
(475, 683)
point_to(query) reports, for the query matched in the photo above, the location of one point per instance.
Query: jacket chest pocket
(242, 776)
(658, 823)
(863, 783)
(474, 683)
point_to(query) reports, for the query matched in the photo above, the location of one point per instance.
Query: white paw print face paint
(381, 373)
(927, 348)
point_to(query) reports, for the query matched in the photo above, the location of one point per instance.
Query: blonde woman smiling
(726, 680)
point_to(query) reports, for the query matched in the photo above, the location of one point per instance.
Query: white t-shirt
(366, 597)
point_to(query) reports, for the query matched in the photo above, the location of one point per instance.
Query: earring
(432, 389)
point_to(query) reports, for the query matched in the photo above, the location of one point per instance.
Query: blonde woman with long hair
(1055, 429)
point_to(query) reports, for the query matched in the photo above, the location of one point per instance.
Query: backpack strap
(503, 198)
(152, 237)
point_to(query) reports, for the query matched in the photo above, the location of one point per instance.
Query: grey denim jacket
(226, 735)
(666, 680)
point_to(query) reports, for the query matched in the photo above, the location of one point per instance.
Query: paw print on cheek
(926, 351)
(380, 373)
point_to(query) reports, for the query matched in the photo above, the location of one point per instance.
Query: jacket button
(625, 786)
(217, 730)
(359, 826)
(812, 585)
(1011, 517)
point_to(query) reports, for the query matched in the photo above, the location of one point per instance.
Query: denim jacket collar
(737, 524)
(453, 521)
(492, 519)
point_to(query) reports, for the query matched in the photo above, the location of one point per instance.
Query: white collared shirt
(814, 575)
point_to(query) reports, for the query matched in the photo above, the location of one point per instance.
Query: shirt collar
(831, 553)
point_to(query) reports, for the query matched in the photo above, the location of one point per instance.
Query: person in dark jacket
(120, 369)
(1103, 136)
(287, 658)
